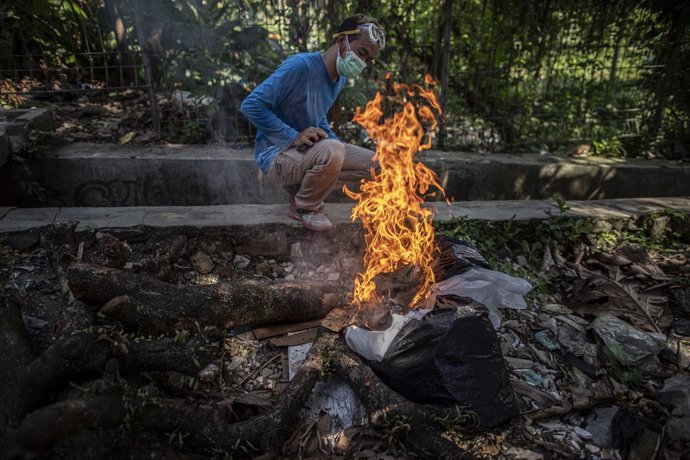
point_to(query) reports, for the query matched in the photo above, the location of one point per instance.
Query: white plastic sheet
(493, 289)
(373, 345)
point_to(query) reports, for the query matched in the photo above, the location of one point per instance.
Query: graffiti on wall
(146, 192)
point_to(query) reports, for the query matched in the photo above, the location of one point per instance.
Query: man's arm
(259, 106)
(323, 124)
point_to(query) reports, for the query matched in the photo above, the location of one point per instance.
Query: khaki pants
(313, 174)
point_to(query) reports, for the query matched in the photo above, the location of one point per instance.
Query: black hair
(351, 23)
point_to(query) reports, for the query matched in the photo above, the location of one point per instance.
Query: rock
(177, 246)
(240, 262)
(202, 262)
(582, 433)
(116, 304)
(279, 271)
(296, 250)
(519, 453)
(227, 255)
(24, 240)
(681, 297)
(598, 424)
(681, 327)
(592, 449)
(235, 363)
(190, 275)
(273, 244)
(266, 372)
(659, 225)
(209, 373)
(676, 394)
(634, 435)
(115, 249)
(333, 276)
(321, 269)
(290, 277)
(33, 325)
(210, 246)
(264, 268)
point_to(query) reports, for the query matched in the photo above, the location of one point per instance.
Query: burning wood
(399, 231)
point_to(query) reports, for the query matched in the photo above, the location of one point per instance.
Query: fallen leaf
(594, 294)
(127, 138)
(642, 263)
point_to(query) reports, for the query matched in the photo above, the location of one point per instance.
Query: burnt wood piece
(425, 435)
(15, 356)
(83, 356)
(42, 429)
(108, 407)
(298, 338)
(157, 306)
(272, 331)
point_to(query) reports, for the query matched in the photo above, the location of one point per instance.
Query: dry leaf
(595, 294)
(127, 138)
(345, 442)
(642, 263)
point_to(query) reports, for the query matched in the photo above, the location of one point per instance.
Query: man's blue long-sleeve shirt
(295, 97)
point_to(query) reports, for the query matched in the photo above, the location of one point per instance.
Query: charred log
(424, 433)
(263, 433)
(60, 244)
(45, 427)
(157, 306)
(15, 356)
(206, 427)
(84, 356)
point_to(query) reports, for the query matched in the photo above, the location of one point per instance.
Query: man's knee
(333, 152)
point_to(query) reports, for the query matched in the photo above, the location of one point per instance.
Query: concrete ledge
(24, 219)
(172, 175)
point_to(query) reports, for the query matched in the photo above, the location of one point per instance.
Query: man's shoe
(293, 204)
(316, 221)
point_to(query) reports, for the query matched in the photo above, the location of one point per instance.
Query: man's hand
(309, 137)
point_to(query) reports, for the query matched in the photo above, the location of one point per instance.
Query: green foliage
(522, 75)
(190, 133)
(610, 148)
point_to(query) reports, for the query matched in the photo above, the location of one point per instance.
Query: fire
(398, 229)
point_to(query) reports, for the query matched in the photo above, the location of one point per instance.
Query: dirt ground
(582, 392)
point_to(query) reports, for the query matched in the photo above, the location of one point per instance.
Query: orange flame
(398, 229)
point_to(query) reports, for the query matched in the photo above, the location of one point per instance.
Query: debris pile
(598, 358)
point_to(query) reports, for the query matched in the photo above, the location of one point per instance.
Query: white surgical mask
(351, 65)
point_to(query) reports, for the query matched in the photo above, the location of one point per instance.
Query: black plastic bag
(456, 257)
(451, 356)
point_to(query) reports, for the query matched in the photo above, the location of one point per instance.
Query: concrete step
(167, 175)
(13, 220)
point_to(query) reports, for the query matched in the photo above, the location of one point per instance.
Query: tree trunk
(14, 358)
(157, 306)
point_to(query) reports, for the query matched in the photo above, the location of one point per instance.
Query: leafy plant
(609, 148)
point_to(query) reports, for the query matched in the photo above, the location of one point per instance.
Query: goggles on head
(374, 33)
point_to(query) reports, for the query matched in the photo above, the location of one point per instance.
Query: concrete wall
(113, 175)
